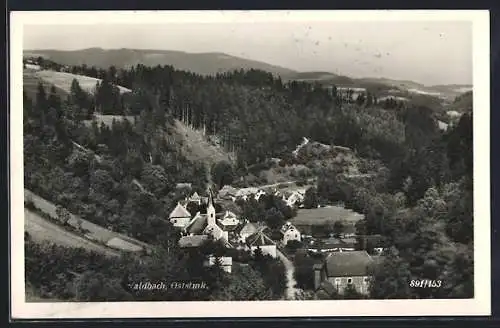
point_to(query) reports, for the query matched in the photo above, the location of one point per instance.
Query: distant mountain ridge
(210, 63)
(201, 63)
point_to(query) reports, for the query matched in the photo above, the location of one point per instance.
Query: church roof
(180, 212)
(197, 225)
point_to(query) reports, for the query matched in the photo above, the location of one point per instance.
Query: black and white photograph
(300, 157)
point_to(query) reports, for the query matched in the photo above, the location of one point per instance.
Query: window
(337, 281)
(349, 280)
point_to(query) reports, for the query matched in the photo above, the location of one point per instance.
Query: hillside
(201, 63)
(195, 146)
(462, 103)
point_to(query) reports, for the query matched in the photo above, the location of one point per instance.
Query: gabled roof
(195, 196)
(259, 239)
(348, 264)
(180, 212)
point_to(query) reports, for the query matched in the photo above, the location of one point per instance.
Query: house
(195, 198)
(260, 240)
(295, 199)
(227, 192)
(180, 216)
(226, 262)
(289, 233)
(229, 222)
(342, 269)
(259, 194)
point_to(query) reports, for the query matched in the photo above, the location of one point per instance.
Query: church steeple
(210, 208)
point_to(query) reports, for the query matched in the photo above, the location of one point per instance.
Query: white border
(480, 305)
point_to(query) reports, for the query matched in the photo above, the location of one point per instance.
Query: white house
(259, 194)
(225, 261)
(195, 198)
(342, 269)
(290, 233)
(180, 216)
(296, 198)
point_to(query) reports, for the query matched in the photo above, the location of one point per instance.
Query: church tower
(210, 209)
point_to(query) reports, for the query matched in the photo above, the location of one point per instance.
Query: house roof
(180, 212)
(195, 196)
(192, 241)
(348, 264)
(248, 227)
(259, 239)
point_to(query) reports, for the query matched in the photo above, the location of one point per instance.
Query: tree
(391, 278)
(311, 198)
(274, 218)
(63, 215)
(222, 174)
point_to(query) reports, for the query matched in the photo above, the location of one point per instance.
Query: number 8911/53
(425, 283)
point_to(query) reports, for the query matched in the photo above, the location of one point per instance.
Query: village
(338, 258)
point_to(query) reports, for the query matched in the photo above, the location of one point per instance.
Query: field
(30, 85)
(42, 230)
(95, 232)
(325, 216)
(63, 80)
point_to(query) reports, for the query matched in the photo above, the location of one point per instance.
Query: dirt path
(291, 290)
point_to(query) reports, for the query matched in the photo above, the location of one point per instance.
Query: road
(291, 290)
(41, 229)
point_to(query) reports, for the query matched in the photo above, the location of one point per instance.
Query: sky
(428, 52)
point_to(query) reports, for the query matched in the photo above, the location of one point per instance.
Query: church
(197, 229)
